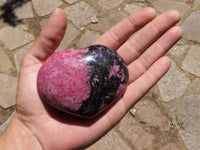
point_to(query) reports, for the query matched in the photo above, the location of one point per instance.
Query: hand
(46, 128)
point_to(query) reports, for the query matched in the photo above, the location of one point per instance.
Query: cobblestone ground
(167, 118)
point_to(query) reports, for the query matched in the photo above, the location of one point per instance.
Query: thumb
(50, 36)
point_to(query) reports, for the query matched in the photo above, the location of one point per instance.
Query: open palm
(143, 53)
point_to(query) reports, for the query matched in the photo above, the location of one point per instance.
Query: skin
(36, 126)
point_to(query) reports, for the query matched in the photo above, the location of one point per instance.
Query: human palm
(143, 53)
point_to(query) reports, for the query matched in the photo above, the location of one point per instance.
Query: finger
(51, 35)
(157, 50)
(120, 32)
(134, 47)
(139, 87)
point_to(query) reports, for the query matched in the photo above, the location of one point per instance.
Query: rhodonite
(82, 82)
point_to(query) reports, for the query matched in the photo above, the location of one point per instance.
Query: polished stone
(83, 82)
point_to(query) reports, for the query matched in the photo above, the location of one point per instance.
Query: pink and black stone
(83, 82)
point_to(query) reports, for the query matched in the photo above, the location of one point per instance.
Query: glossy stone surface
(83, 82)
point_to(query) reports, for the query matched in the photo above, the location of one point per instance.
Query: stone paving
(167, 118)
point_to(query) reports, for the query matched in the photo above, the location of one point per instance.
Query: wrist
(18, 137)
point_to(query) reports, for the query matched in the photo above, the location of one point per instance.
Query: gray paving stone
(71, 34)
(163, 5)
(45, 7)
(194, 87)
(71, 1)
(80, 13)
(88, 38)
(8, 88)
(150, 113)
(108, 21)
(43, 23)
(131, 8)
(20, 54)
(109, 4)
(196, 3)
(187, 117)
(93, 3)
(22, 27)
(111, 140)
(6, 123)
(14, 37)
(24, 11)
(5, 62)
(173, 84)
(170, 146)
(179, 49)
(135, 134)
(191, 27)
(191, 62)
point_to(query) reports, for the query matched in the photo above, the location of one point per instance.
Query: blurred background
(167, 117)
